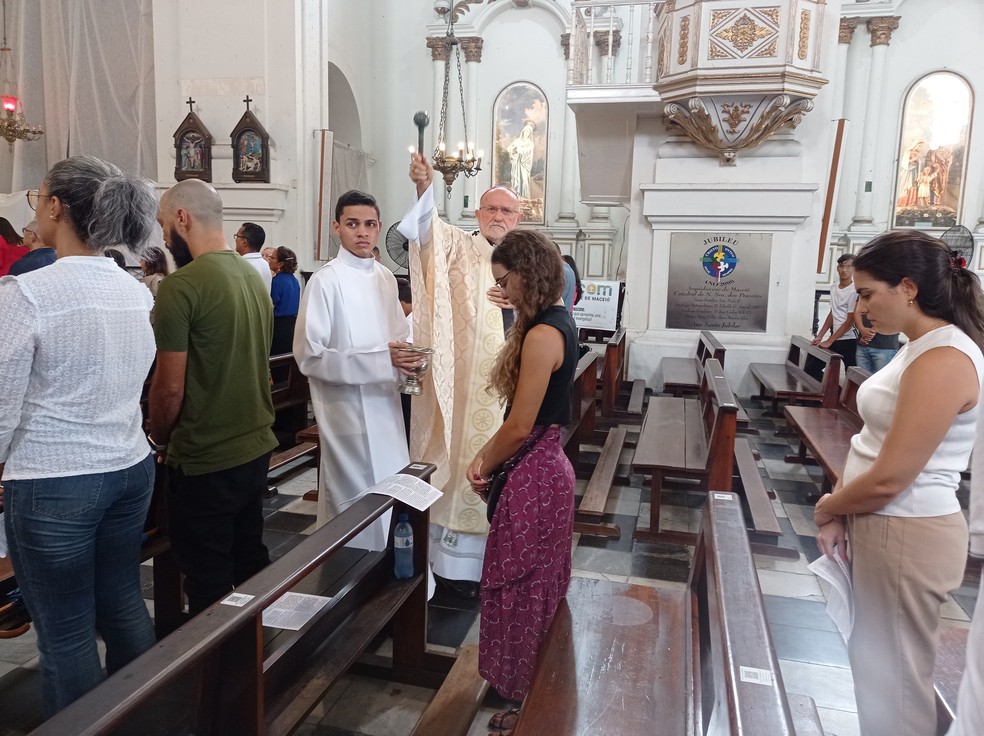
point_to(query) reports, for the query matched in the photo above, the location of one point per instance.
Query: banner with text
(719, 281)
(598, 308)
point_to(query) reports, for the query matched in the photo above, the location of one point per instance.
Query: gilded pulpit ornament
(758, 75)
(804, 34)
(684, 40)
(735, 115)
(744, 33)
(731, 127)
(192, 148)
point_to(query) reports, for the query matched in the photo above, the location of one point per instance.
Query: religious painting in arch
(936, 118)
(250, 149)
(519, 125)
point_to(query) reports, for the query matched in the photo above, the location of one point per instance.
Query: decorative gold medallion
(744, 33)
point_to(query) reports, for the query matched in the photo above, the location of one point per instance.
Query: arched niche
(520, 121)
(934, 136)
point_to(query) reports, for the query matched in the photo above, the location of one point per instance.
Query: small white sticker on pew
(724, 496)
(755, 675)
(237, 599)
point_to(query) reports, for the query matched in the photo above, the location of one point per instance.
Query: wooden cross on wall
(247, 101)
(189, 103)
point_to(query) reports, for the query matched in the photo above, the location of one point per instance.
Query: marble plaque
(719, 281)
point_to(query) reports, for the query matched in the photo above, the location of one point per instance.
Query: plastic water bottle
(403, 548)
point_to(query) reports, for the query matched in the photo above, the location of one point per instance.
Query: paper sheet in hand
(409, 489)
(293, 610)
(840, 601)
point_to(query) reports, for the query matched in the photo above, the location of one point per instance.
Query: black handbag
(499, 477)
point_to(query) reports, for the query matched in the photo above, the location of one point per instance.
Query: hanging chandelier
(466, 161)
(13, 127)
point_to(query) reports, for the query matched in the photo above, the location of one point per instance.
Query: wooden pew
(826, 432)
(584, 390)
(682, 375)
(789, 381)
(687, 438)
(633, 660)
(224, 673)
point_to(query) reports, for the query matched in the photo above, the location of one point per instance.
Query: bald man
(210, 415)
(458, 311)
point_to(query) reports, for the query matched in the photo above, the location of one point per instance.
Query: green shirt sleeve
(173, 314)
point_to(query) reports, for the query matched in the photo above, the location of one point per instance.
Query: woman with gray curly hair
(75, 347)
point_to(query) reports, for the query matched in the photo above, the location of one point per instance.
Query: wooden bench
(682, 375)
(599, 487)
(634, 660)
(687, 438)
(789, 381)
(826, 432)
(453, 708)
(225, 673)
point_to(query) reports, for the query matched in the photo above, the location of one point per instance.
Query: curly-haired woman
(528, 553)
(896, 504)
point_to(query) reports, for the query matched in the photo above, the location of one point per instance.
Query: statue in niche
(521, 160)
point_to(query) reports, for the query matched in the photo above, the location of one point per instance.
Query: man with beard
(210, 406)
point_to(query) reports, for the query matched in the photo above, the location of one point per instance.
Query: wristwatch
(157, 447)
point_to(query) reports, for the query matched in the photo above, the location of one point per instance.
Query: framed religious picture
(933, 152)
(192, 148)
(519, 126)
(250, 149)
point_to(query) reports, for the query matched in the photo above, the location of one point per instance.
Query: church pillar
(568, 146)
(439, 55)
(881, 33)
(472, 47)
(607, 43)
(844, 38)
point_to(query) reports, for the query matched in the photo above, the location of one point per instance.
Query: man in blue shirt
(40, 255)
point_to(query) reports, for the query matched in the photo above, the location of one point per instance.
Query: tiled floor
(812, 656)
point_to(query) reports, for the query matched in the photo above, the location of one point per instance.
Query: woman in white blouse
(75, 347)
(894, 511)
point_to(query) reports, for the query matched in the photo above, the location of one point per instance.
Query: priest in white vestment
(348, 316)
(451, 276)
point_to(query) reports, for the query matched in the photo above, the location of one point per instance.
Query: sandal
(505, 721)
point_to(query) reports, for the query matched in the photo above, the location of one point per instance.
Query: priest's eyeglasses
(34, 197)
(504, 211)
(501, 281)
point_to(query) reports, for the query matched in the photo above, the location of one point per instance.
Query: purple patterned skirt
(527, 565)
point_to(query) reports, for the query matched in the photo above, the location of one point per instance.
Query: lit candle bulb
(412, 149)
(461, 146)
(442, 146)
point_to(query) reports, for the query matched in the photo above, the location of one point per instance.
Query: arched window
(935, 131)
(519, 161)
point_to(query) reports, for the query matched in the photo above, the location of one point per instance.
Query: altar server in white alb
(348, 317)
(457, 311)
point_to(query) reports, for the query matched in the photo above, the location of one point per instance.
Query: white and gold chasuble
(450, 273)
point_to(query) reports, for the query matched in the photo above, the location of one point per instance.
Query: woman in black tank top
(527, 562)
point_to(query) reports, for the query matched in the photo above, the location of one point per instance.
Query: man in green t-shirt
(210, 406)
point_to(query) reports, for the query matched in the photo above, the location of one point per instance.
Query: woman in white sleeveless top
(894, 511)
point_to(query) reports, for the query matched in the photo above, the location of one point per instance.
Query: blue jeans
(873, 359)
(75, 545)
